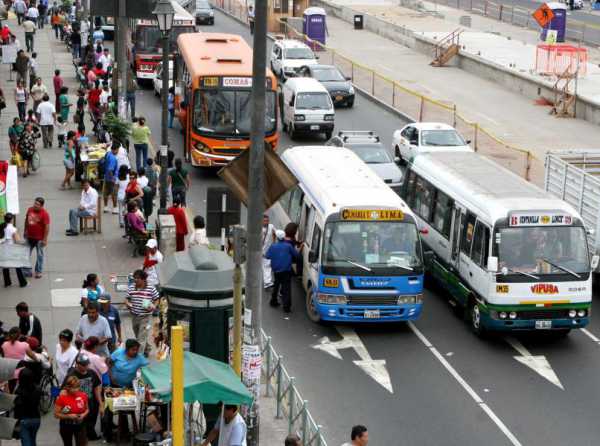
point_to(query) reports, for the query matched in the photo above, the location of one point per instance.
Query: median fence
(290, 403)
(412, 104)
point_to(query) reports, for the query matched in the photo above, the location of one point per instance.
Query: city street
(433, 382)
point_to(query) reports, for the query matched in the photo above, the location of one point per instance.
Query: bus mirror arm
(594, 262)
(492, 264)
(313, 256)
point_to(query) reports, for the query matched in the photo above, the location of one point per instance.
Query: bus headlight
(351, 90)
(410, 299)
(329, 117)
(572, 313)
(512, 315)
(339, 299)
(201, 147)
(502, 315)
(299, 117)
(581, 313)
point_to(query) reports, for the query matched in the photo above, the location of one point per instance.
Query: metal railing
(289, 401)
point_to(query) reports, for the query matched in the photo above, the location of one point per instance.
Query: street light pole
(164, 13)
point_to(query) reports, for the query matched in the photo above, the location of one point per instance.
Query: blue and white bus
(362, 257)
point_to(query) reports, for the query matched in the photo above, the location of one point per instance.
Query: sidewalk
(55, 297)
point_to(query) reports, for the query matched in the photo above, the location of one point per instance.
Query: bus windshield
(543, 250)
(372, 245)
(229, 112)
(148, 39)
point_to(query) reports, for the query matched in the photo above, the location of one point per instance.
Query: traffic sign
(543, 15)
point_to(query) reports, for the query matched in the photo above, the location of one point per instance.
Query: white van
(306, 107)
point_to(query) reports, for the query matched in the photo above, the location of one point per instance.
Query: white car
(157, 81)
(288, 57)
(424, 137)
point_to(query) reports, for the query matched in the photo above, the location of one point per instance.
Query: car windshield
(372, 154)
(328, 75)
(312, 101)
(441, 138)
(148, 39)
(543, 250)
(229, 112)
(372, 244)
(299, 53)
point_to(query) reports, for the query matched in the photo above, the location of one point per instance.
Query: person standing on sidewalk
(42, 9)
(76, 44)
(21, 99)
(38, 91)
(92, 324)
(152, 258)
(141, 300)
(20, 8)
(65, 354)
(114, 321)
(282, 256)
(32, 13)
(178, 180)
(171, 106)
(359, 436)
(131, 89)
(181, 227)
(251, 18)
(65, 104)
(57, 82)
(32, 69)
(9, 235)
(27, 148)
(37, 228)
(22, 67)
(29, 28)
(71, 408)
(268, 237)
(111, 170)
(68, 159)
(47, 116)
(29, 323)
(140, 135)
(198, 237)
(27, 407)
(88, 207)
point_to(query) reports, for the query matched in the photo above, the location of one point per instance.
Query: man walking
(88, 207)
(29, 324)
(282, 256)
(38, 91)
(251, 18)
(109, 189)
(42, 8)
(92, 324)
(37, 228)
(29, 28)
(47, 119)
(268, 237)
(114, 321)
(131, 89)
(359, 436)
(141, 300)
(32, 13)
(20, 8)
(58, 83)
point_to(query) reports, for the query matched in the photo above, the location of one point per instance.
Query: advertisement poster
(9, 192)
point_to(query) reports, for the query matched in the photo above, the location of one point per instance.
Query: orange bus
(215, 74)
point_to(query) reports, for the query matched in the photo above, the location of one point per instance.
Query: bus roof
(335, 178)
(486, 187)
(222, 54)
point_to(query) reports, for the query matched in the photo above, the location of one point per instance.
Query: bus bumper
(532, 324)
(201, 159)
(365, 313)
(145, 75)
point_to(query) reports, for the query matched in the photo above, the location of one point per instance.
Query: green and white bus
(511, 256)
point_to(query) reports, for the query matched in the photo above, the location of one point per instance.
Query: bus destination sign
(372, 214)
(542, 219)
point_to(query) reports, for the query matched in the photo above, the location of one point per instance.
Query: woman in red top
(5, 34)
(133, 191)
(94, 99)
(181, 228)
(71, 408)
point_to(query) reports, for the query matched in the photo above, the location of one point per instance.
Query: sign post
(9, 56)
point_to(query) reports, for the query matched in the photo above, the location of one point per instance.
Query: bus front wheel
(475, 318)
(311, 310)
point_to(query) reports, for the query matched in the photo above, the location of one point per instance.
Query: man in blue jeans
(88, 206)
(37, 228)
(282, 256)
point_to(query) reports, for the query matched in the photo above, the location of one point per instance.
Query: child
(198, 237)
(61, 128)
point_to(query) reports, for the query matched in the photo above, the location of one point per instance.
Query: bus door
(453, 279)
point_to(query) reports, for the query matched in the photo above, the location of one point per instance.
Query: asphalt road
(449, 388)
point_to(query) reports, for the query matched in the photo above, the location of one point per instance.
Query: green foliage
(118, 128)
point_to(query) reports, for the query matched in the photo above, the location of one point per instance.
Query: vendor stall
(89, 157)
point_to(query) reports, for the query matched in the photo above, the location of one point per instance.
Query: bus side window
(296, 205)
(316, 239)
(423, 198)
(285, 199)
(442, 213)
(479, 252)
(304, 223)
(468, 232)
(409, 189)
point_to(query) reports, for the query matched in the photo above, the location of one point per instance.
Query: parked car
(157, 80)
(368, 147)
(425, 137)
(204, 13)
(288, 57)
(339, 87)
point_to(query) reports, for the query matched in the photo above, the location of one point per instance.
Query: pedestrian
(94, 101)
(131, 89)
(152, 174)
(5, 34)
(14, 348)
(55, 23)
(27, 407)
(140, 135)
(178, 180)
(135, 220)
(27, 143)
(122, 182)
(181, 228)
(32, 13)
(97, 362)
(91, 291)
(62, 24)
(9, 235)
(133, 191)
(65, 105)
(268, 237)
(282, 255)
(251, 18)
(42, 9)
(38, 91)
(76, 44)
(142, 300)
(29, 27)
(32, 119)
(32, 69)
(29, 324)
(80, 106)
(292, 440)
(359, 436)
(88, 207)
(47, 117)
(109, 188)
(98, 36)
(105, 97)
(92, 324)
(106, 60)
(2, 101)
(291, 230)
(57, 82)
(21, 99)
(114, 321)
(171, 105)
(91, 386)
(152, 258)
(37, 228)
(14, 134)
(22, 67)
(230, 428)
(198, 236)
(61, 132)
(65, 355)
(68, 159)
(20, 8)
(125, 362)
(71, 408)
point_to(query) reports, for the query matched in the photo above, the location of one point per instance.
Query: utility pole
(256, 184)
(177, 365)
(239, 258)
(122, 26)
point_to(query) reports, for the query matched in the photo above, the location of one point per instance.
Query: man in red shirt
(94, 99)
(37, 227)
(58, 83)
(181, 228)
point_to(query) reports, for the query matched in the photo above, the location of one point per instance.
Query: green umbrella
(204, 380)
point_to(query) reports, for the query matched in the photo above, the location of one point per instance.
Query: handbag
(2, 104)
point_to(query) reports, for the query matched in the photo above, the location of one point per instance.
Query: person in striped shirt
(142, 300)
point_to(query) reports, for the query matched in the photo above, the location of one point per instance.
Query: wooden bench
(92, 223)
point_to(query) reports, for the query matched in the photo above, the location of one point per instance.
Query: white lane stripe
(590, 335)
(514, 441)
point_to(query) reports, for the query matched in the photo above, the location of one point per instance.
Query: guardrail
(289, 400)
(412, 103)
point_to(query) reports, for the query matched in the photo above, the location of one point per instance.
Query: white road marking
(490, 413)
(590, 335)
(375, 368)
(537, 363)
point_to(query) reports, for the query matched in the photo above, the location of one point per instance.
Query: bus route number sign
(522, 219)
(372, 214)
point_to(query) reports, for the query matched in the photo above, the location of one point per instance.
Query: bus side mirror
(313, 256)
(492, 264)
(428, 257)
(594, 262)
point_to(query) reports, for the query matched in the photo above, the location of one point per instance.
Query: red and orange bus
(215, 75)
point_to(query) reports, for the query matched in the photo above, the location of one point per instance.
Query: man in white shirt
(88, 207)
(37, 90)
(33, 14)
(151, 260)
(105, 97)
(106, 60)
(268, 237)
(20, 8)
(47, 118)
(29, 28)
(359, 436)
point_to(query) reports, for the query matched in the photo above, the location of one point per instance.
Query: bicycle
(50, 388)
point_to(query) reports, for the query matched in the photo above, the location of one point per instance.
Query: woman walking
(123, 181)
(9, 235)
(179, 181)
(65, 354)
(140, 134)
(27, 407)
(27, 143)
(65, 105)
(14, 133)
(69, 160)
(71, 408)
(21, 98)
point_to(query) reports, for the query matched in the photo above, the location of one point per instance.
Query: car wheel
(311, 310)
(328, 135)
(292, 131)
(475, 319)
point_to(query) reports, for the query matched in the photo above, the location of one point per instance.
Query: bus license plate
(543, 325)
(371, 314)
(314, 127)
